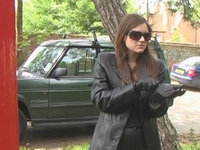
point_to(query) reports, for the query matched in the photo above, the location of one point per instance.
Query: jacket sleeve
(107, 99)
(159, 107)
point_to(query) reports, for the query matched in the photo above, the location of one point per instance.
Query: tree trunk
(111, 12)
(19, 21)
(168, 134)
(19, 27)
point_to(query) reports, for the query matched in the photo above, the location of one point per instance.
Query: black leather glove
(168, 91)
(148, 84)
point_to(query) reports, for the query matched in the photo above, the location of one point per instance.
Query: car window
(192, 61)
(107, 49)
(42, 59)
(78, 61)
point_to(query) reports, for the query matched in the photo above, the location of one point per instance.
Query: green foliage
(24, 148)
(177, 37)
(59, 16)
(63, 16)
(190, 9)
(43, 17)
(190, 147)
(130, 6)
(84, 17)
(83, 146)
(194, 145)
(194, 141)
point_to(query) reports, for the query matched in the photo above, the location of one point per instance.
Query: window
(78, 61)
(107, 49)
(42, 59)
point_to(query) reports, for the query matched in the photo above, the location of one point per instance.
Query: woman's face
(137, 43)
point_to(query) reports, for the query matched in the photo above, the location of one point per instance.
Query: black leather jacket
(115, 101)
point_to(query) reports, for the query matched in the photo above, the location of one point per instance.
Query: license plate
(179, 71)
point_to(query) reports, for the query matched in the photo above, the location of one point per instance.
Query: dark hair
(144, 60)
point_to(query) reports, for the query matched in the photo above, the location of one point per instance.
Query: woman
(129, 90)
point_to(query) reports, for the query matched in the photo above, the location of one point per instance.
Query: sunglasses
(136, 35)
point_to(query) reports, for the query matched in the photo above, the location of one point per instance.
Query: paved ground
(185, 113)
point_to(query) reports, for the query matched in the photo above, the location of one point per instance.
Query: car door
(69, 95)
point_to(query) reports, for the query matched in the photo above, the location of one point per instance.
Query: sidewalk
(185, 113)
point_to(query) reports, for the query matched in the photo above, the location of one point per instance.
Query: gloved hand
(148, 84)
(168, 91)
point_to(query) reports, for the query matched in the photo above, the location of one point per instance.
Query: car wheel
(22, 125)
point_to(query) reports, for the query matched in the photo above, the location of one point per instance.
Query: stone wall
(176, 52)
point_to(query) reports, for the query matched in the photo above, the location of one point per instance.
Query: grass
(190, 147)
(194, 145)
(85, 146)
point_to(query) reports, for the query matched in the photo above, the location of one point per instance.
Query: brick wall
(165, 24)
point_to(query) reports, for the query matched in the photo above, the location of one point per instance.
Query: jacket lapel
(117, 71)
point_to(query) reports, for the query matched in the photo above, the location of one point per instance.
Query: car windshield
(192, 61)
(42, 59)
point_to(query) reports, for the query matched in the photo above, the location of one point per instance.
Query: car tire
(22, 125)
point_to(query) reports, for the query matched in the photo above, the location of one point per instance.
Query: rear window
(192, 61)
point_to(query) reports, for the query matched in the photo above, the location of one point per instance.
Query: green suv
(54, 83)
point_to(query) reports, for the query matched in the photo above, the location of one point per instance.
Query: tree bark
(19, 28)
(19, 21)
(111, 12)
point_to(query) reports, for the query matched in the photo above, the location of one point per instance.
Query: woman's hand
(148, 84)
(168, 91)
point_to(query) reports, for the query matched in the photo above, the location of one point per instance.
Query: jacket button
(147, 145)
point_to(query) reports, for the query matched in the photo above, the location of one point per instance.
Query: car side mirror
(60, 72)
